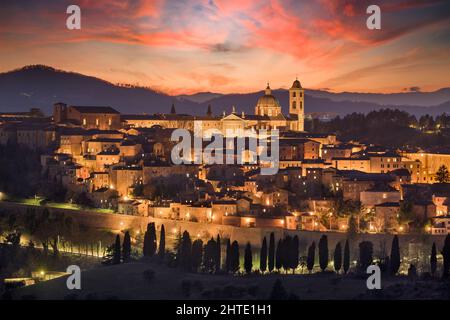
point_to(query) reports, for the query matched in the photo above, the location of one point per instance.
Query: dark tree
(185, 251)
(235, 257)
(311, 256)
(365, 255)
(146, 246)
(149, 248)
(337, 257)
(323, 252)
(248, 263)
(295, 253)
(218, 254)
(162, 242)
(152, 233)
(197, 254)
(271, 256)
(278, 291)
(210, 256)
(279, 255)
(228, 256)
(172, 109)
(433, 259)
(116, 254)
(442, 175)
(263, 256)
(394, 260)
(352, 230)
(126, 247)
(346, 264)
(285, 253)
(446, 256)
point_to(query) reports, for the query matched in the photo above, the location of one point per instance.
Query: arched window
(293, 94)
(301, 105)
(294, 104)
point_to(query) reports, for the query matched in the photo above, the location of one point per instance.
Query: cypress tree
(152, 239)
(433, 259)
(235, 257)
(186, 251)
(323, 252)
(228, 256)
(394, 260)
(279, 255)
(116, 255)
(286, 253)
(263, 256)
(248, 263)
(365, 255)
(197, 254)
(162, 242)
(271, 262)
(210, 256)
(218, 254)
(146, 247)
(295, 253)
(311, 256)
(126, 247)
(337, 257)
(352, 230)
(446, 256)
(346, 257)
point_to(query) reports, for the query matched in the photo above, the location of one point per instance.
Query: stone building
(88, 117)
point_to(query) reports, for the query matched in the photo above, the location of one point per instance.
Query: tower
(297, 106)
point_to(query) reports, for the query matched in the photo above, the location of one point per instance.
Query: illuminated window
(84, 121)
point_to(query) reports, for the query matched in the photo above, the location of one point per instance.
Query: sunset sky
(178, 46)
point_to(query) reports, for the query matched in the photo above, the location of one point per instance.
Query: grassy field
(128, 281)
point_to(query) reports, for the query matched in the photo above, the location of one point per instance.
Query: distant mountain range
(41, 86)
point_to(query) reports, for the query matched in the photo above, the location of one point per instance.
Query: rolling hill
(40, 86)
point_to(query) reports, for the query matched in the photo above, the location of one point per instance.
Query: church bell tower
(297, 106)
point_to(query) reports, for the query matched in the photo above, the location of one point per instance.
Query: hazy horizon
(330, 90)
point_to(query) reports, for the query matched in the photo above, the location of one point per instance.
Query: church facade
(268, 115)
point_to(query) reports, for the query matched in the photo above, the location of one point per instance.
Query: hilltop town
(98, 158)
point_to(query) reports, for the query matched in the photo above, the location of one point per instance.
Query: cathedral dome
(296, 84)
(268, 101)
(267, 104)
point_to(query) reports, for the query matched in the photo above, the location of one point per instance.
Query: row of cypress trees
(195, 256)
(286, 255)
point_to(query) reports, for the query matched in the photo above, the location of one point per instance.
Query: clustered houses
(123, 162)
